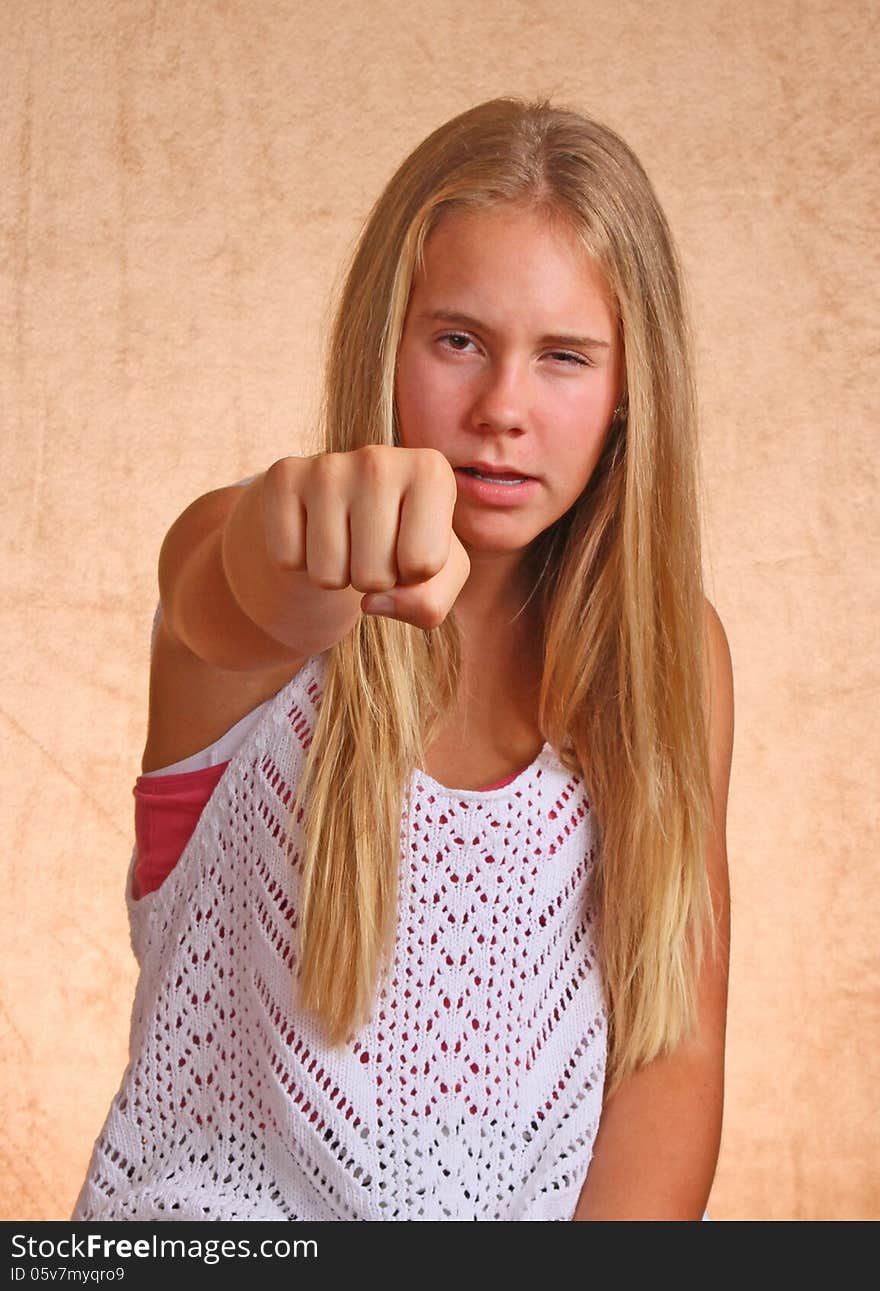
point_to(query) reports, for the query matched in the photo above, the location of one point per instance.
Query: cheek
(580, 438)
(420, 397)
(412, 407)
(586, 415)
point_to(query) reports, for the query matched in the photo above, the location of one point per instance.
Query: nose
(501, 399)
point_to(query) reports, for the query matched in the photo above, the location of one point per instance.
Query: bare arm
(657, 1146)
(256, 578)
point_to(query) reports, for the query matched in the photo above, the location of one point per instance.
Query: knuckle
(329, 468)
(418, 570)
(370, 582)
(373, 460)
(437, 466)
(327, 582)
(431, 613)
(372, 452)
(280, 476)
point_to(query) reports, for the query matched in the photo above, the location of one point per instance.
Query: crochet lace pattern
(474, 1092)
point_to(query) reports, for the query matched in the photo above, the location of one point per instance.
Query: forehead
(508, 251)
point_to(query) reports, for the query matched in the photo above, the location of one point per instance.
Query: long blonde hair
(618, 579)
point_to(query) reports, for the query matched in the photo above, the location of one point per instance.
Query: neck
(499, 593)
(502, 646)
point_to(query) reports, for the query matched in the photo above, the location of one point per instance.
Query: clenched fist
(378, 519)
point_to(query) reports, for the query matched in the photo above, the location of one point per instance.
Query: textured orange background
(181, 184)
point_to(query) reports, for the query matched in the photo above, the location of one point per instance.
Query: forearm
(657, 1146)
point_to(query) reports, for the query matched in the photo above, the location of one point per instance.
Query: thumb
(379, 603)
(424, 605)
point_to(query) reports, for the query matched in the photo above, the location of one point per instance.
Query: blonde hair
(620, 592)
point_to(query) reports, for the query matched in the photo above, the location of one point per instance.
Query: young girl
(430, 893)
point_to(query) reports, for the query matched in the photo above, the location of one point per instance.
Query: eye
(455, 336)
(576, 359)
(573, 360)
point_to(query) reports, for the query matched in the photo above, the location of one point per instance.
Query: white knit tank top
(474, 1092)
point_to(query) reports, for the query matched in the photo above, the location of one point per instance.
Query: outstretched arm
(659, 1135)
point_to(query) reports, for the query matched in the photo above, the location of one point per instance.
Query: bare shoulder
(719, 702)
(192, 703)
(719, 669)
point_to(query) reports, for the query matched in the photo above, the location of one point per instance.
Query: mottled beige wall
(181, 183)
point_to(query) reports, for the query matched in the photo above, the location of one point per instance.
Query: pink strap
(166, 811)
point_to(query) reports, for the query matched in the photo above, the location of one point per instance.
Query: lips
(500, 472)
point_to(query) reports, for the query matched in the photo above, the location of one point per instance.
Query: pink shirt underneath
(167, 810)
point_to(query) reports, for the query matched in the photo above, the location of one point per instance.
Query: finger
(374, 515)
(425, 533)
(328, 545)
(284, 517)
(426, 604)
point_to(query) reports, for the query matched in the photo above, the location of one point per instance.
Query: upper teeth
(496, 479)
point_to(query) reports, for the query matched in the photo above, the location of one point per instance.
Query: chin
(485, 545)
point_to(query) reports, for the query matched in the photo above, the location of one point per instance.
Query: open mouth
(494, 479)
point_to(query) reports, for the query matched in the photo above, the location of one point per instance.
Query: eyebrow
(555, 338)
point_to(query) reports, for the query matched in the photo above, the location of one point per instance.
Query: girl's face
(509, 357)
